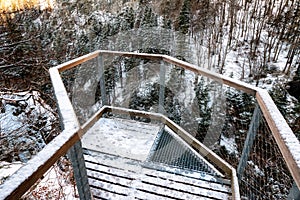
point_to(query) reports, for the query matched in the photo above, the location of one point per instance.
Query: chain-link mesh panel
(221, 117)
(169, 150)
(82, 84)
(57, 183)
(266, 175)
(134, 83)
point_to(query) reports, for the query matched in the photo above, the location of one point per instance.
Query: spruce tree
(185, 16)
(202, 95)
(279, 96)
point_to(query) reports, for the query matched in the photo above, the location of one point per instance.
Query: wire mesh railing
(235, 120)
(218, 115)
(266, 175)
(57, 183)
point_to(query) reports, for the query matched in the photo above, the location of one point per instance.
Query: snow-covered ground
(25, 123)
(57, 183)
(7, 169)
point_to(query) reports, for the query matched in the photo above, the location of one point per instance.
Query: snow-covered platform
(161, 164)
(127, 159)
(125, 138)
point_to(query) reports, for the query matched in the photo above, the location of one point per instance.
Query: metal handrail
(26, 176)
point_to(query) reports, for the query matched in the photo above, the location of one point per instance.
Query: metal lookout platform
(147, 150)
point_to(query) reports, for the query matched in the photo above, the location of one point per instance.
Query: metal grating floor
(113, 177)
(171, 150)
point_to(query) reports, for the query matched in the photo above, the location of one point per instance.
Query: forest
(255, 41)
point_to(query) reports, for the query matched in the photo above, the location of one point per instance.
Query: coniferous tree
(129, 17)
(202, 95)
(150, 18)
(279, 96)
(185, 17)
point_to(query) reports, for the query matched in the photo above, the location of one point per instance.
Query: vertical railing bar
(235, 186)
(68, 119)
(100, 64)
(254, 125)
(294, 192)
(162, 75)
(80, 172)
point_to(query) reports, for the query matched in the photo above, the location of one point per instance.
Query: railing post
(80, 173)
(294, 192)
(254, 125)
(102, 79)
(162, 76)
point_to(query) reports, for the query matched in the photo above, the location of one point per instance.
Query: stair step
(127, 159)
(120, 178)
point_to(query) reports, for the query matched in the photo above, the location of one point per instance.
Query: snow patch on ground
(55, 184)
(25, 121)
(7, 169)
(256, 169)
(229, 144)
(18, 107)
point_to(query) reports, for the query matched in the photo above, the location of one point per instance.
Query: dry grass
(10, 6)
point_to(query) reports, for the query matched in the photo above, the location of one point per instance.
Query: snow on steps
(118, 166)
(113, 177)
